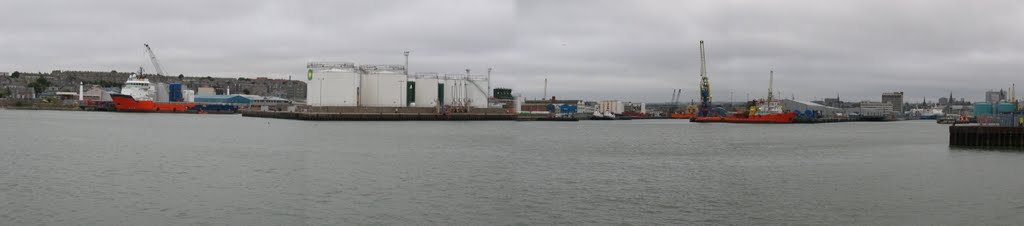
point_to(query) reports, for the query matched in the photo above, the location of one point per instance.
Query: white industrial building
(332, 84)
(635, 107)
(383, 86)
(206, 90)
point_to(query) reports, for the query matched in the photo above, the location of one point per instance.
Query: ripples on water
(142, 169)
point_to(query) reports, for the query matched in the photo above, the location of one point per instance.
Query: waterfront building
(871, 106)
(895, 99)
(993, 96)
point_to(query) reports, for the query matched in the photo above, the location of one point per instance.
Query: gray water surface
(98, 168)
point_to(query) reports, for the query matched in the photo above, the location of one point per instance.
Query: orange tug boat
(691, 111)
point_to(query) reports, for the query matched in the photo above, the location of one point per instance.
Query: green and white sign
(309, 74)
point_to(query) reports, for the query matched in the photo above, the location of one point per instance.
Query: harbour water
(98, 168)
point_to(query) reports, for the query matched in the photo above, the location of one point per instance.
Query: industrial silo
(383, 85)
(332, 84)
(426, 90)
(476, 92)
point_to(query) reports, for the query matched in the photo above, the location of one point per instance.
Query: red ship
(127, 103)
(137, 96)
(787, 117)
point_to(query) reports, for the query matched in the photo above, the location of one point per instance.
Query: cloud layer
(628, 50)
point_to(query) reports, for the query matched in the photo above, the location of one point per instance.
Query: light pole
(406, 63)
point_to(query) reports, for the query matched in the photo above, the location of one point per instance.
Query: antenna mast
(771, 77)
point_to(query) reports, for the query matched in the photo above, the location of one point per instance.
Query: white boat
(928, 113)
(602, 116)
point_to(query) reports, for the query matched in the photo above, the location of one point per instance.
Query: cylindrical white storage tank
(518, 104)
(189, 95)
(162, 94)
(383, 85)
(452, 89)
(426, 91)
(332, 84)
(476, 92)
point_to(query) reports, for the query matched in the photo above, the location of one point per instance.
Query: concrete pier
(320, 116)
(986, 136)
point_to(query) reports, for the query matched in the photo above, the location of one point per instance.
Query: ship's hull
(788, 117)
(126, 103)
(707, 119)
(682, 115)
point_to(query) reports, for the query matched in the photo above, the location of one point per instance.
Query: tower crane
(152, 57)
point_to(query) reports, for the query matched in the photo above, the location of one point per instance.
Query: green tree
(40, 84)
(113, 71)
(181, 76)
(15, 74)
(245, 91)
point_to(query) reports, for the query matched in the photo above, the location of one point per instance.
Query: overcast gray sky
(627, 50)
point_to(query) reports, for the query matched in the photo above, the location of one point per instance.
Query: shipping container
(174, 93)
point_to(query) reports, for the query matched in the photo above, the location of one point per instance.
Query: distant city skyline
(594, 50)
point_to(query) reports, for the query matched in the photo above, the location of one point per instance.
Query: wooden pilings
(986, 136)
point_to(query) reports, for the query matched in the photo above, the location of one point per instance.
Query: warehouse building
(803, 106)
(242, 100)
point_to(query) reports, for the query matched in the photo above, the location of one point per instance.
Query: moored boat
(137, 96)
(691, 111)
(759, 111)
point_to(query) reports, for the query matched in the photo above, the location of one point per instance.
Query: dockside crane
(705, 88)
(152, 57)
(675, 100)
